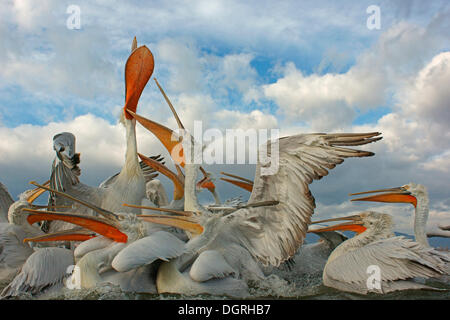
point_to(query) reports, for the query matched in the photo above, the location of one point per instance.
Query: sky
(296, 66)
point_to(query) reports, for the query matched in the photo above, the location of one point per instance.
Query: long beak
(244, 185)
(178, 192)
(134, 45)
(99, 225)
(242, 182)
(206, 183)
(356, 225)
(180, 125)
(170, 140)
(75, 234)
(181, 213)
(391, 195)
(138, 70)
(105, 213)
(36, 193)
(184, 223)
(237, 177)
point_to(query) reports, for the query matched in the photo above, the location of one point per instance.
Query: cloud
(208, 58)
(330, 101)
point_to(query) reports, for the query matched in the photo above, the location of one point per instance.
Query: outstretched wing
(398, 258)
(44, 268)
(5, 202)
(272, 234)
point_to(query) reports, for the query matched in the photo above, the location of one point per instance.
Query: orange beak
(170, 140)
(138, 70)
(178, 192)
(244, 185)
(356, 225)
(392, 195)
(242, 182)
(206, 183)
(107, 226)
(184, 223)
(98, 225)
(35, 193)
(76, 234)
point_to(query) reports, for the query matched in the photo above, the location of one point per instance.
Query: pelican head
(404, 194)
(64, 145)
(364, 221)
(207, 182)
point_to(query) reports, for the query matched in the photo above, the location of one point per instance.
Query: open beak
(99, 225)
(35, 193)
(178, 184)
(105, 213)
(184, 223)
(170, 140)
(242, 182)
(181, 213)
(107, 226)
(166, 135)
(180, 125)
(355, 225)
(206, 183)
(138, 70)
(391, 195)
(75, 234)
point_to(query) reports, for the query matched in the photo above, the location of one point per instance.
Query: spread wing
(398, 258)
(44, 268)
(272, 234)
(5, 202)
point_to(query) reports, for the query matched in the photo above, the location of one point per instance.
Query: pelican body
(398, 260)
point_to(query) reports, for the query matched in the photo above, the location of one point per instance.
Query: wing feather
(44, 268)
(5, 202)
(273, 234)
(398, 258)
(159, 245)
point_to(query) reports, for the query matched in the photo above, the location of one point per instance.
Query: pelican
(129, 185)
(310, 258)
(170, 141)
(398, 259)
(415, 194)
(99, 258)
(12, 234)
(43, 272)
(221, 255)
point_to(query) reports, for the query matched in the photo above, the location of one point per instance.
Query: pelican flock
(130, 232)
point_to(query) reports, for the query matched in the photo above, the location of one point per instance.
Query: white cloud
(50, 62)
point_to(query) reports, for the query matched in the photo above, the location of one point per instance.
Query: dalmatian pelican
(398, 259)
(129, 185)
(99, 258)
(224, 248)
(415, 194)
(14, 251)
(310, 258)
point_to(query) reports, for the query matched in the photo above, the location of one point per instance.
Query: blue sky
(301, 66)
